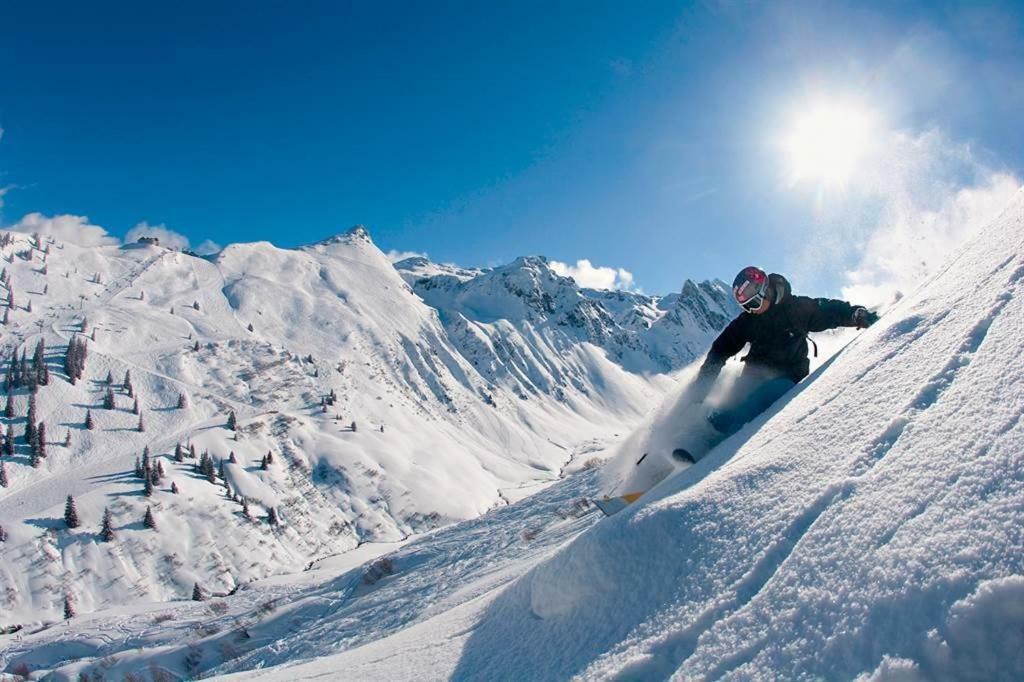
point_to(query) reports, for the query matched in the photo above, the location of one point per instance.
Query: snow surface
(867, 527)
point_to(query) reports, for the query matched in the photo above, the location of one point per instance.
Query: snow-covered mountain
(643, 334)
(386, 409)
(867, 527)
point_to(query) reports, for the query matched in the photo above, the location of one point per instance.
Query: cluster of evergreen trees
(74, 360)
(72, 520)
(152, 474)
(21, 373)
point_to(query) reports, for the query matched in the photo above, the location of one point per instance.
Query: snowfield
(869, 526)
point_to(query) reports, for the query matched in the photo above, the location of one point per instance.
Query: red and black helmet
(750, 288)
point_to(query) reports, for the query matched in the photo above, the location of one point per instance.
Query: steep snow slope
(873, 522)
(443, 426)
(868, 525)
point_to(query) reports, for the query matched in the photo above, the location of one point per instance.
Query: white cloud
(70, 228)
(4, 190)
(599, 277)
(208, 247)
(168, 238)
(394, 256)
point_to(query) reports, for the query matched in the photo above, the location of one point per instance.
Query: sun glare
(826, 142)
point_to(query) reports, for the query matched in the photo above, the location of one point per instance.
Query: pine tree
(232, 458)
(89, 424)
(71, 513)
(25, 377)
(9, 441)
(245, 509)
(109, 402)
(138, 468)
(197, 593)
(195, 304)
(147, 485)
(220, 470)
(3, 534)
(179, 454)
(30, 419)
(195, 347)
(109, 381)
(40, 439)
(127, 383)
(107, 529)
(3, 475)
(192, 450)
(42, 376)
(148, 521)
(142, 424)
(135, 406)
(250, 327)
(159, 470)
(353, 427)
(67, 439)
(154, 477)
(9, 407)
(69, 609)
(272, 517)
(174, 487)
(232, 422)
(182, 403)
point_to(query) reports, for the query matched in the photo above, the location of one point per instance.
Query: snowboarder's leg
(750, 401)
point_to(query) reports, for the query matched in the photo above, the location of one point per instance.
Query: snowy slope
(875, 516)
(446, 429)
(868, 526)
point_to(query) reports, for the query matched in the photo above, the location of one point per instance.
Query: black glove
(862, 317)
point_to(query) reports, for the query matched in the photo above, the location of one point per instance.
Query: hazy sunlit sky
(666, 139)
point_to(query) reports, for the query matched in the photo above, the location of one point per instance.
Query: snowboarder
(775, 323)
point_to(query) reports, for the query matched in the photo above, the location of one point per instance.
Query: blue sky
(641, 136)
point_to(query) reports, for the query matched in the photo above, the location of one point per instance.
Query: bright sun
(826, 142)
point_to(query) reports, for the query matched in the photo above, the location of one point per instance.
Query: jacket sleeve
(828, 313)
(729, 342)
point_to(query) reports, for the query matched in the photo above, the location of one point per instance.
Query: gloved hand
(862, 317)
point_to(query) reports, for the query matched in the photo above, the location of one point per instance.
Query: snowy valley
(332, 399)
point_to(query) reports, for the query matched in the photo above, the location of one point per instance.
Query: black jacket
(777, 337)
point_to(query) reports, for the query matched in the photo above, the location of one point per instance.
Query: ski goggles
(750, 296)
